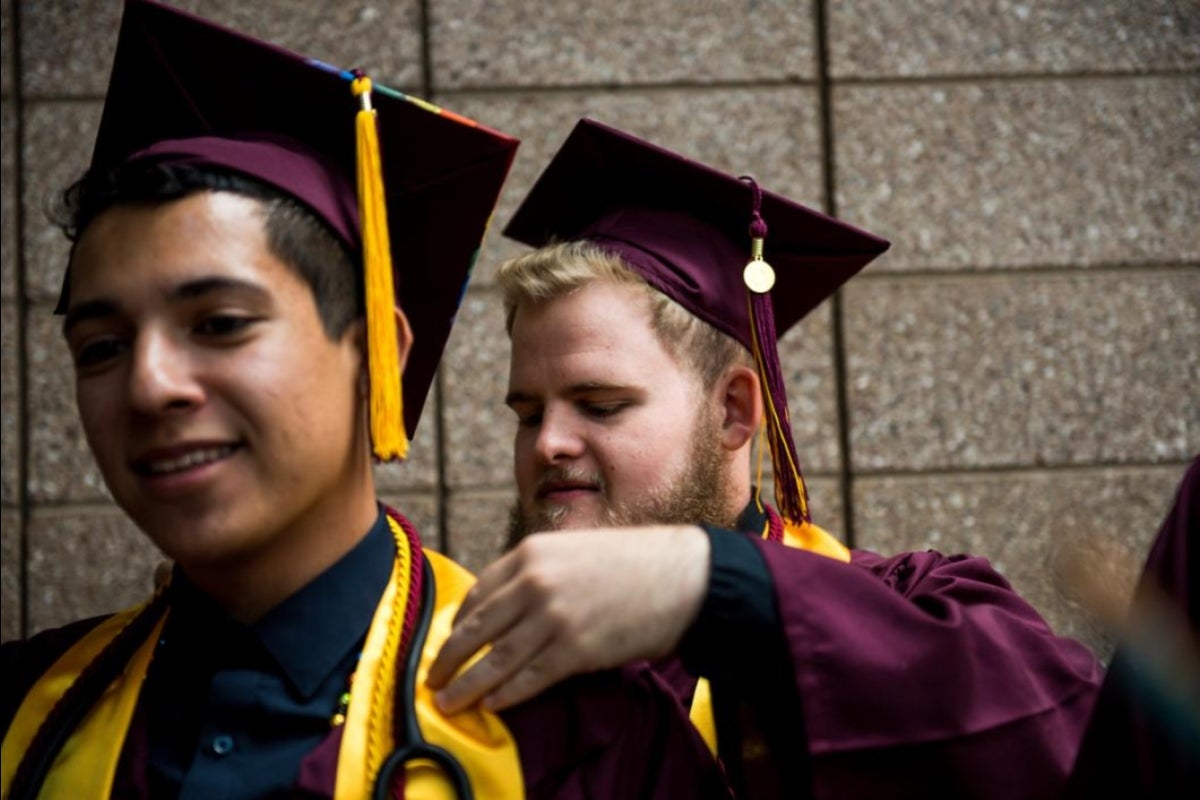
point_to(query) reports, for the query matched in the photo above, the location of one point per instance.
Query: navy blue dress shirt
(232, 709)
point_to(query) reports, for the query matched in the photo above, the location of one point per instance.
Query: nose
(161, 377)
(558, 438)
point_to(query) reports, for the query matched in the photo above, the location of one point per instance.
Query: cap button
(758, 276)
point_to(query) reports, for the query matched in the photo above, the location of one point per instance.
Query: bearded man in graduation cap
(644, 366)
(233, 383)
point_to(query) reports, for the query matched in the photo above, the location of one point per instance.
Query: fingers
(560, 604)
(494, 577)
(513, 670)
(484, 618)
(546, 669)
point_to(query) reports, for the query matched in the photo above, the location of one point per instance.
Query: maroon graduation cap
(184, 90)
(703, 238)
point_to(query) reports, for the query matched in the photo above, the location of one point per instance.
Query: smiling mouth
(184, 461)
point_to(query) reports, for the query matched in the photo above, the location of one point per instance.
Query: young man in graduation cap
(231, 390)
(644, 365)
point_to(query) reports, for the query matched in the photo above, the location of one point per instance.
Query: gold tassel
(388, 437)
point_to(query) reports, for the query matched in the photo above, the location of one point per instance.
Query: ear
(357, 333)
(404, 341)
(404, 337)
(741, 409)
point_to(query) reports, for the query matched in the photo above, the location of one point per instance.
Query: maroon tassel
(791, 495)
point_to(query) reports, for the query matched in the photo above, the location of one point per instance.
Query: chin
(547, 519)
(557, 518)
(195, 540)
(587, 514)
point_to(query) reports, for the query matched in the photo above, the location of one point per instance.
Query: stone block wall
(1016, 378)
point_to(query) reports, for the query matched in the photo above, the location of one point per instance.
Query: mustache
(545, 518)
(558, 475)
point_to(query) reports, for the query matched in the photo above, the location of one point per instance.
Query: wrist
(737, 618)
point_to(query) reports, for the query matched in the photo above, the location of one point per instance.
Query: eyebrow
(190, 290)
(575, 389)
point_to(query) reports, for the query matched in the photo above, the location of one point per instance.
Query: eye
(528, 419)
(603, 410)
(219, 325)
(98, 352)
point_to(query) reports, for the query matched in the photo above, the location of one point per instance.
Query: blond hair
(559, 269)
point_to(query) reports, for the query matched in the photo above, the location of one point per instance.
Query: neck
(741, 486)
(253, 582)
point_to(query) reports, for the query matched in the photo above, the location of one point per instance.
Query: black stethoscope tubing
(414, 746)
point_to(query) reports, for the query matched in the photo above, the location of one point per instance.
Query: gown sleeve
(919, 675)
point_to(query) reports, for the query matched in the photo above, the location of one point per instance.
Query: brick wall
(1016, 378)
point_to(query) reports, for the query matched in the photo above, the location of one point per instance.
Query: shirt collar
(312, 631)
(753, 518)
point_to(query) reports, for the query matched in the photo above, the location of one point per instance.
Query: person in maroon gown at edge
(238, 336)
(644, 359)
(1143, 739)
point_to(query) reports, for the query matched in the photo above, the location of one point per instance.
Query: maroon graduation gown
(614, 734)
(916, 676)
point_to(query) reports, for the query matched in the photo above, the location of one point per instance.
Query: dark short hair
(295, 234)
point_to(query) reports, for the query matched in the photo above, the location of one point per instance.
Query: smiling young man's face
(612, 428)
(221, 414)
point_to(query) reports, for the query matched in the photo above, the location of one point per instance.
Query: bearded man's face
(612, 429)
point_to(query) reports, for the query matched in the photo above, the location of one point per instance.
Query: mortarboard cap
(690, 230)
(186, 90)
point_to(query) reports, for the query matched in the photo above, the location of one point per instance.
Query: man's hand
(570, 602)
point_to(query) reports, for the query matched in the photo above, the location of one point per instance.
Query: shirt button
(221, 745)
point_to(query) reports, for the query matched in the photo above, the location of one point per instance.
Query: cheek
(645, 455)
(97, 405)
(523, 458)
(627, 459)
(318, 411)
(633, 469)
(311, 392)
